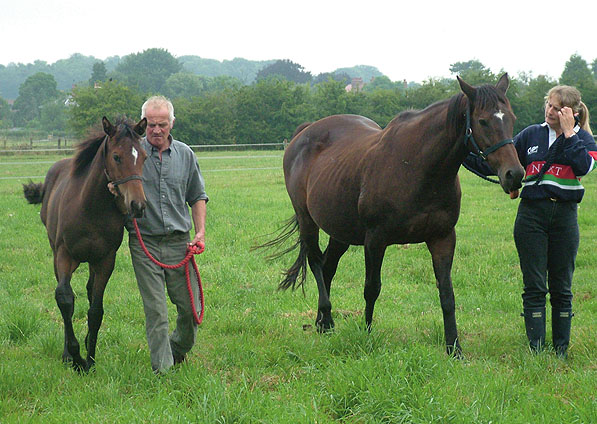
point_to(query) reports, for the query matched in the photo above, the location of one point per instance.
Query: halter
(468, 136)
(122, 180)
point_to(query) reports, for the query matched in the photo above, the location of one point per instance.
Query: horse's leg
(101, 273)
(90, 285)
(442, 254)
(309, 236)
(89, 288)
(64, 266)
(331, 257)
(374, 253)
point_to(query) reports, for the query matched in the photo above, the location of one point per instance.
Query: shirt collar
(552, 133)
(151, 148)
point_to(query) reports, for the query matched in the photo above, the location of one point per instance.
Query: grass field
(258, 357)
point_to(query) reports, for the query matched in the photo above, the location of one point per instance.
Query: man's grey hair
(158, 101)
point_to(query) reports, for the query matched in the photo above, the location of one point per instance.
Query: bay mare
(85, 222)
(364, 185)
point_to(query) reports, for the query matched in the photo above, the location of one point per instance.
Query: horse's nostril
(137, 208)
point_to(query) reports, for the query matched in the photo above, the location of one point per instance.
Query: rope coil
(190, 257)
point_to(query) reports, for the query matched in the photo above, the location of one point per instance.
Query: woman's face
(552, 107)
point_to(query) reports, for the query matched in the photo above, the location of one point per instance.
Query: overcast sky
(411, 40)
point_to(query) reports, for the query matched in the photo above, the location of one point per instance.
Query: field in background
(258, 357)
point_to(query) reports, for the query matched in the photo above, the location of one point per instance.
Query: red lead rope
(191, 251)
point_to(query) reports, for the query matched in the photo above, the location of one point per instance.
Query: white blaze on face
(135, 154)
(499, 114)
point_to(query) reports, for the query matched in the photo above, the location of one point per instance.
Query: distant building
(355, 85)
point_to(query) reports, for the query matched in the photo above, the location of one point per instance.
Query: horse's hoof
(454, 351)
(324, 327)
(81, 366)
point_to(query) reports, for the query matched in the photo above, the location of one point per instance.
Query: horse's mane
(87, 149)
(486, 97)
(412, 113)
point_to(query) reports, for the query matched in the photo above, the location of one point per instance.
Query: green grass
(258, 357)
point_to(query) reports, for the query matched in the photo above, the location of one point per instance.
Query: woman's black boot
(534, 322)
(561, 320)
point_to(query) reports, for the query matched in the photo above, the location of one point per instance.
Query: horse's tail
(34, 192)
(298, 270)
(300, 128)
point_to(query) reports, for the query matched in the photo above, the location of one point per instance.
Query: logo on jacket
(532, 149)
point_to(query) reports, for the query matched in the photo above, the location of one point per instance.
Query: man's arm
(198, 212)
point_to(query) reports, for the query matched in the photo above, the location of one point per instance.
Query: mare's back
(337, 133)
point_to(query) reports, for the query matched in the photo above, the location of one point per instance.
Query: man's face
(158, 126)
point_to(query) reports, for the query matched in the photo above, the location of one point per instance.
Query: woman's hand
(567, 122)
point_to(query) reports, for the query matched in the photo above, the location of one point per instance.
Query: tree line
(226, 110)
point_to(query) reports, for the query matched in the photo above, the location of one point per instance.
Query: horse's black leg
(331, 257)
(90, 285)
(442, 254)
(374, 253)
(64, 266)
(309, 235)
(101, 273)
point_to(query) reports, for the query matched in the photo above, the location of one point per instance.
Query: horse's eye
(483, 122)
(116, 158)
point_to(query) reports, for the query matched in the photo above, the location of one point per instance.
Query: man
(171, 180)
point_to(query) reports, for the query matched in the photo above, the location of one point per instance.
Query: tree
(184, 84)
(528, 103)
(147, 71)
(37, 90)
(53, 116)
(270, 110)
(385, 105)
(206, 119)
(112, 99)
(577, 73)
(330, 98)
(367, 73)
(473, 72)
(286, 69)
(5, 114)
(381, 83)
(336, 76)
(98, 73)
(428, 93)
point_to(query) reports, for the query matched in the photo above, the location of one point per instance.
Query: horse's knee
(64, 296)
(371, 292)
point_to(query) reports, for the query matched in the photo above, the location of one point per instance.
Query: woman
(555, 155)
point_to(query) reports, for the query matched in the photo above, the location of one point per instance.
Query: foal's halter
(116, 183)
(468, 136)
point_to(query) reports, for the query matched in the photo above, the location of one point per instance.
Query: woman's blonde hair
(570, 96)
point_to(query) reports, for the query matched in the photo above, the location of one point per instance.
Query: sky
(405, 40)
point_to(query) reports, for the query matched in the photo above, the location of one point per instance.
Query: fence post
(59, 142)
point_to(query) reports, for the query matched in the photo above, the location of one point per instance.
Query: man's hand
(112, 188)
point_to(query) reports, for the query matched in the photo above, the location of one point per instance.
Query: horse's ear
(109, 129)
(467, 89)
(141, 126)
(503, 84)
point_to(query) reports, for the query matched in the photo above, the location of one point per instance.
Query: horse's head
(124, 159)
(490, 122)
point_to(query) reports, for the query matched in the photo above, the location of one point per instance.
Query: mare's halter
(468, 136)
